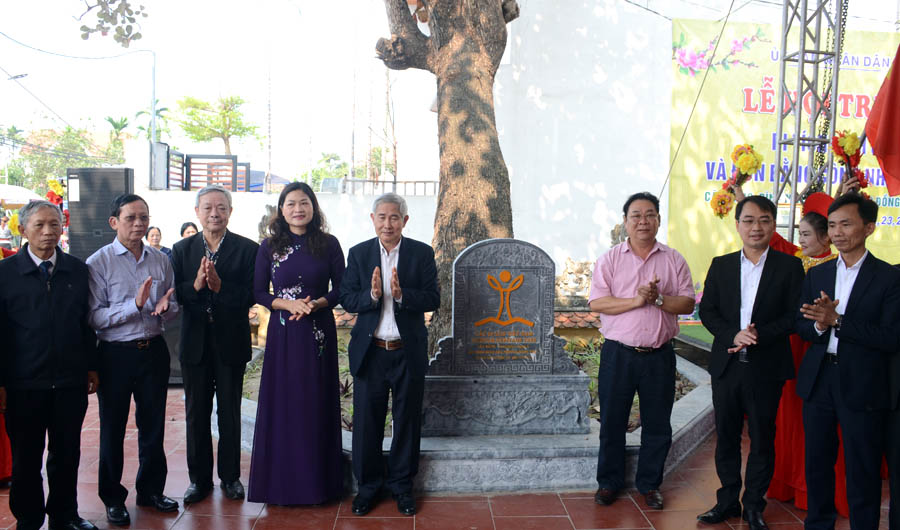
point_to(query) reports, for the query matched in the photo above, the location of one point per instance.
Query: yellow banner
(739, 104)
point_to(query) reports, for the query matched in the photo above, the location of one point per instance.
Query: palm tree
(162, 122)
(118, 126)
(14, 132)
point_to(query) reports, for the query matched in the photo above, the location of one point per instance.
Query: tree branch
(407, 47)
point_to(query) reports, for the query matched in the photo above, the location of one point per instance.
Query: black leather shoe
(719, 513)
(605, 496)
(406, 503)
(362, 505)
(755, 519)
(234, 490)
(160, 502)
(77, 523)
(195, 493)
(118, 515)
(654, 499)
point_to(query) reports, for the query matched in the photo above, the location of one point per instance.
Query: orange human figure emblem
(504, 299)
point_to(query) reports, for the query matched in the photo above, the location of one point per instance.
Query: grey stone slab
(502, 370)
(503, 299)
(523, 404)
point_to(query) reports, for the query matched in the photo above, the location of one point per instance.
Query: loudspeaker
(91, 192)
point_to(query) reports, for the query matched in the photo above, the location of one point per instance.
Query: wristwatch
(837, 322)
(314, 304)
(659, 300)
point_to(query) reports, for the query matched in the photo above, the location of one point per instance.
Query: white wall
(347, 215)
(583, 113)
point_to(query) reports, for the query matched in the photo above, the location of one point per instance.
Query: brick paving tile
(687, 490)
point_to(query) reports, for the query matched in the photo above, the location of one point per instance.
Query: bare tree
(463, 51)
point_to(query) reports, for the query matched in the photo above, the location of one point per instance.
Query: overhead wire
(60, 153)
(66, 56)
(696, 100)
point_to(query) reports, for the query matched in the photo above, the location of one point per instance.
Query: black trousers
(892, 449)
(623, 371)
(736, 394)
(31, 417)
(863, 433)
(211, 377)
(126, 371)
(382, 372)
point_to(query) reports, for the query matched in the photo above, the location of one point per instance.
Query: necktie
(45, 267)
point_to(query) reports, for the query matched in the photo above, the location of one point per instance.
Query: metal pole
(153, 102)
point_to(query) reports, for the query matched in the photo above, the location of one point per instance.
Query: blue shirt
(114, 282)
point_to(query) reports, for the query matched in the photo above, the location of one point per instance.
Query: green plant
(347, 418)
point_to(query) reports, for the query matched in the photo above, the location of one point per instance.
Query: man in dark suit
(892, 440)
(214, 284)
(850, 313)
(47, 369)
(390, 282)
(749, 301)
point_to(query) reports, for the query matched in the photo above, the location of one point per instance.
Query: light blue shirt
(114, 281)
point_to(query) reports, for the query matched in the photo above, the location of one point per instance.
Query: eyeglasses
(762, 221)
(650, 217)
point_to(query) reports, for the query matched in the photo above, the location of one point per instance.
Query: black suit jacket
(869, 334)
(231, 326)
(773, 313)
(417, 274)
(49, 342)
(894, 375)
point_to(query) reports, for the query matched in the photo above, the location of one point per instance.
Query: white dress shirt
(37, 261)
(751, 274)
(387, 324)
(843, 286)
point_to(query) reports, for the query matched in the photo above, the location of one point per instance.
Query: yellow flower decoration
(721, 203)
(740, 150)
(749, 163)
(55, 187)
(850, 143)
(14, 224)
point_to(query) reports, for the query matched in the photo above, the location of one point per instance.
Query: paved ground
(688, 491)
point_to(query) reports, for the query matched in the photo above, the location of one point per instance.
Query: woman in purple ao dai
(297, 442)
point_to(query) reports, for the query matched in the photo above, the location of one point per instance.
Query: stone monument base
(530, 462)
(496, 463)
(514, 404)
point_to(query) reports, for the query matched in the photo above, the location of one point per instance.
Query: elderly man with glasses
(131, 296)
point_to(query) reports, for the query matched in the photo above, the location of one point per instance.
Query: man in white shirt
(390, 282)
(850, 313)
(749, 303)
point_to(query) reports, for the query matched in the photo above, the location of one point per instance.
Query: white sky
(206, 49)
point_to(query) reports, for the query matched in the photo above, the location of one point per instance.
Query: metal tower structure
(805, 97)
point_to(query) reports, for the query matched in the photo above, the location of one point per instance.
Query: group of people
(777, 312)
(75, 328)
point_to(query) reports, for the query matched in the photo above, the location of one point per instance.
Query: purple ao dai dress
(297, 442)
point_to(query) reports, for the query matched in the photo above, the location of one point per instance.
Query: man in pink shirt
(639, 287)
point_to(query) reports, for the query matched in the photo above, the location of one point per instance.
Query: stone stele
(503, 371)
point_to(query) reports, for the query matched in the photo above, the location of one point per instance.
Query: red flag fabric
(883, 128)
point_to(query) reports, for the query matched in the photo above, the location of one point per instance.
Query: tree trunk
(227, 141)
(463, 52)
(473, 201)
